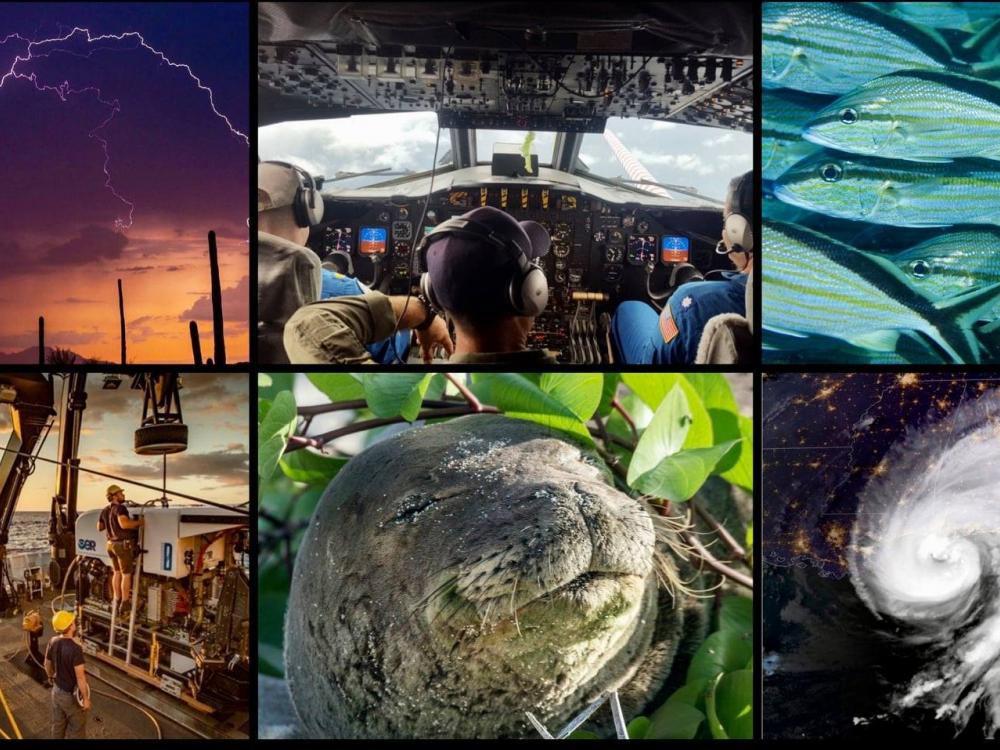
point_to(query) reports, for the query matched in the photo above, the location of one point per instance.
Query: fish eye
(831, 172)
(849, 116)
(920, 269)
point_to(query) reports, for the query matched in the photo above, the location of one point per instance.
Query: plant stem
(297, 442)
(469, 396)
(617, 405)
(709, 559)
(359, 404)
(735, 547)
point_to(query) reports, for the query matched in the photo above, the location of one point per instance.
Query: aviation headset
(527, 289)
(738, 227)
(307, 205)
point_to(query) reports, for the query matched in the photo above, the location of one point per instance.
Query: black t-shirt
(65, 654)
(112, 526)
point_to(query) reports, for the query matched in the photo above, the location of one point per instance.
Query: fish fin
(988, 70)
(985, 43)
(880, 341)
(952, 328)
(929, 159)
(967, 306)
(786, 331)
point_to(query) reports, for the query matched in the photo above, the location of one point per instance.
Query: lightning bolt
(64, 89)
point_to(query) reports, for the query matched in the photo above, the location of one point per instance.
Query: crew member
(288, 273)
(671, 337)
(70, 691)
(123, 536)
(481, 274)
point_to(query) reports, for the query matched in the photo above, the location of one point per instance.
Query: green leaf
(730, 706)
(736, 615)
(307, 466)
(578, 391)
(652, 388)
(435, 389)
(680, 476)
(273, 432)
(263, 380)
(689, 693)
(714, 390)
(637, 728)
(750, 537)
(736, 467)
(609, 388)
(271, 602)
(664, 436)
(279, 381)
(569, 425)
(337, 386)
(395, 394)
(674, 720)
(722, 651)
(518, 397)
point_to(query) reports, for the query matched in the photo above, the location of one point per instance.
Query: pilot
(388, 352)
(122, 533)
(481, 274)
(288, 272)
(643, 337)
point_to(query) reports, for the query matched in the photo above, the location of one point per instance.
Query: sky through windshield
(702, 158)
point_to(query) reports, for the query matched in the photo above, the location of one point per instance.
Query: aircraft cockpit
(571, 119)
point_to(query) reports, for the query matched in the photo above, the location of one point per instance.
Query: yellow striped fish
(784, 115)
(831, 48)
(915, 115)
(953, 263)
(813, 284)
(890, 191)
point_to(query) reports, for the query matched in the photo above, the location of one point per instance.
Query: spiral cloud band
(925, 554)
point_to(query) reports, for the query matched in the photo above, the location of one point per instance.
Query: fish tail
(953, 319)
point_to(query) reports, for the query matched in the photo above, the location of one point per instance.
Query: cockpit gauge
(567, 203)
(628, 221)
(403, 213)
(613, 254)
(561, 249)
(599, 236)
(561, 232)
(641, 249)
(401, 248)
(616, 237)
(643, 227)
(612, 273)
(384, 216)
(402, 230)
(340, 238)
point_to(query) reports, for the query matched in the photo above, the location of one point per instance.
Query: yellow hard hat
(113, 489)
(62, 620)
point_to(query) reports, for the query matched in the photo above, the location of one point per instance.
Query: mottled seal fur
(457, 575)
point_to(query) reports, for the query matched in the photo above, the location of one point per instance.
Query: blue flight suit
(672, 337)
(338, 285)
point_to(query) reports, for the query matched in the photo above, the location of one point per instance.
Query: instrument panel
(601, 253)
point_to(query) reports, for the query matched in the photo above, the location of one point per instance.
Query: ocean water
(29, 531)
(881, 125)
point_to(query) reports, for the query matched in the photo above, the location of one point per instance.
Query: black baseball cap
(472, 277)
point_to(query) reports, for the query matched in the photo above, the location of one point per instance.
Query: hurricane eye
(831, 172)
(849, 116)
(920, 269)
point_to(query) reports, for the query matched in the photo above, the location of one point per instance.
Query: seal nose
(621, 532)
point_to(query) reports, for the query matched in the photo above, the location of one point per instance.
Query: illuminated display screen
(641, 249)
(428, 230)
(372, 240)
(674, 249)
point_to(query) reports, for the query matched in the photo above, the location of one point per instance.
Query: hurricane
(925, 559)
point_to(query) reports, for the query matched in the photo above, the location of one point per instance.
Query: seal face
(457, 575)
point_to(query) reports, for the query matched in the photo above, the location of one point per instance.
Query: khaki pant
(122, 556)
(69, 720)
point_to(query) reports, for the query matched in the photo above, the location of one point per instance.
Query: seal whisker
(513, 609)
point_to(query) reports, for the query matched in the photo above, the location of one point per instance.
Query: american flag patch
(668, 328)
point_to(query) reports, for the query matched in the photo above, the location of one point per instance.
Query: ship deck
(119, 701)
